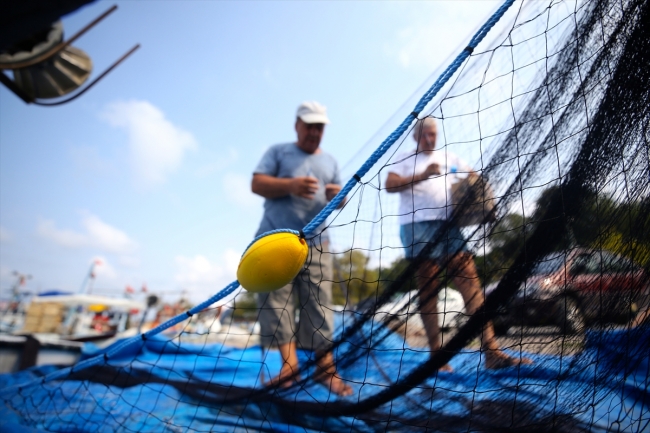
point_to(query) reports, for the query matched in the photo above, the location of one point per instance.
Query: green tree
(505, 241)
(622, 227)
(245, 307)
(353, 280)
(388, 275)
(605, 221)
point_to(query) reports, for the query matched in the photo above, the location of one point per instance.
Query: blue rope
(309, 228)
(406, 124)
(271, 232)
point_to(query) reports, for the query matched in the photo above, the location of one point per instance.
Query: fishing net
(551, 112)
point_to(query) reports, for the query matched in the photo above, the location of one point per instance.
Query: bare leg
(428, 284)
(327, 375)
(289, 370)
(642, 318)
(463, 273)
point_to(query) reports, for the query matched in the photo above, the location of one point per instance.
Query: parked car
(404, 308)
(577, 288)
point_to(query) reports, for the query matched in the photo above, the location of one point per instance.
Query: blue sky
(150, 169)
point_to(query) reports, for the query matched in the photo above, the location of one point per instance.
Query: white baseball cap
(312, 112)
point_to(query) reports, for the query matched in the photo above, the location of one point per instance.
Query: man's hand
(397, 183)
(331, 189)
(304, 186)
(431, 170)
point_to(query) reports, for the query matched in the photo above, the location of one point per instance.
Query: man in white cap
(297, 180)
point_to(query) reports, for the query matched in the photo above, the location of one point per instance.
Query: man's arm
(331, 189)
(275, 187)
(397, 183)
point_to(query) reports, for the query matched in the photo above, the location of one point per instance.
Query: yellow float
(272, 262)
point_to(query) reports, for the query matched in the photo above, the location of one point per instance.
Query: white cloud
(5, 235)
(65, 238)
(107, 237)
(238, 189)
(203, 278)
(156, 145)
(96, 233)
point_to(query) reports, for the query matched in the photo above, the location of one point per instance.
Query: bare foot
(496, 359)
(334, 383)
(641, 318)
(446, 368)
(285, 379)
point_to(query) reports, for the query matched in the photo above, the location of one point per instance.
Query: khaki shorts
(313, 289)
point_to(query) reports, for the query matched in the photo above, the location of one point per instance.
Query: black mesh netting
(552, 111)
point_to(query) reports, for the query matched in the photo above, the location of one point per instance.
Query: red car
(576, 288)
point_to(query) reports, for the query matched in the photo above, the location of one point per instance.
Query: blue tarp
(604, 388)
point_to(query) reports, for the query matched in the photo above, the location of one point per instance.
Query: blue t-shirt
(288, 161)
